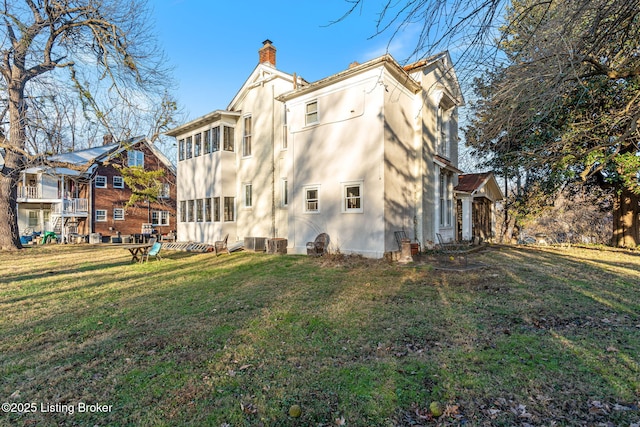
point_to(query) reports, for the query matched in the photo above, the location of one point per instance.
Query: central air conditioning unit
(255, 244)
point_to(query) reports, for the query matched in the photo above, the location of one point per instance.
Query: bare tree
(102, 49)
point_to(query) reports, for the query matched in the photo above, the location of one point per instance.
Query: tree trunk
(9, 234)
(626, 209)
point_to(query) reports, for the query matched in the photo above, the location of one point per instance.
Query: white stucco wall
(346, 146)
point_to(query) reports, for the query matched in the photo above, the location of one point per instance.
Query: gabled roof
(442, 61)
(387, 61)
(261, 74)
(83, 162)
(470, 183)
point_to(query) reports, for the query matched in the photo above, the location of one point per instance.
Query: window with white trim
(101, 215)
(311, 112)
(246, 136)
(165, 190)
(227, 143)
(197, 145)
(352, 193)
(199, 210)
(216, 209)
(183, 211)
(181, 150)
(189, 148)
(285, 192)
(34, 219)
(118, 214)
(118, 182)
(312, 199)
(101, 181)
(446, 199)
(207, 209)
(207, 141)
(248, 195)
(190, 209)
(135, 158)
(160, 218)
(215, 139)
(229, 209)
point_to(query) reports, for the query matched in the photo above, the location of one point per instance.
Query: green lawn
(541, 336)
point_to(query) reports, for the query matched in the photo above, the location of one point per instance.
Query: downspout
(273, 163)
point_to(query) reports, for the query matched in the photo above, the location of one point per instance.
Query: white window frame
(246, 135)
(347, 197)
(216, 209)
(160, 218)
(199, 214)
(165, 190)
(33, 219)
(197, 144)
(247, 195)
(183, 210)
(118, 214)
(284, 192)
(446, 199)
(118, 181)
(101, 181)
(101, 215)
(307, 200)
(311, 117)
(232, 210)
(135, 158)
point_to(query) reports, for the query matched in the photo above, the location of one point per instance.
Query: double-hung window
(190, 210)
(246, 137)
(248, 195)
(446, 203)
(135, 158)
(189, 147)
(160, 217)
(311, 112)
(118, 182)
(181, 150)
(101, 215)
(312, 199)
(352, 197)
(183, 211)
(118, 214)
(101, 181)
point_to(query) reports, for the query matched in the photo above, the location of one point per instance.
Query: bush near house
(542, 335)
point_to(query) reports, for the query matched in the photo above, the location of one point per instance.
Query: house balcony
(29, 192)
(74, 207)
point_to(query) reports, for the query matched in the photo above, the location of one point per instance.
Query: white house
(358, 155)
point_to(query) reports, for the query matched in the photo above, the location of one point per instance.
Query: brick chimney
(267, 53)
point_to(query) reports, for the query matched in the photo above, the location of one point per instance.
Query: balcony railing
(71, 206)
(29, 192)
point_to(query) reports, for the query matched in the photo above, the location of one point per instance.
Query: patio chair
(319, 246)
(452, 249)
(221, 246)
(154, 252)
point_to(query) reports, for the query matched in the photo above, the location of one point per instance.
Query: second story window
(207, 141)
(118, 182)
(181, 150)
(311, 113)
(442, 130)
(101, 181)
(246, 137)
(135, 158)
(215, 139)
(197, 146)
(228, 144)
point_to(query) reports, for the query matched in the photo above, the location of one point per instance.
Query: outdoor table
(137, 251)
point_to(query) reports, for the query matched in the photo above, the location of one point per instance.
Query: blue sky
(213, 46)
